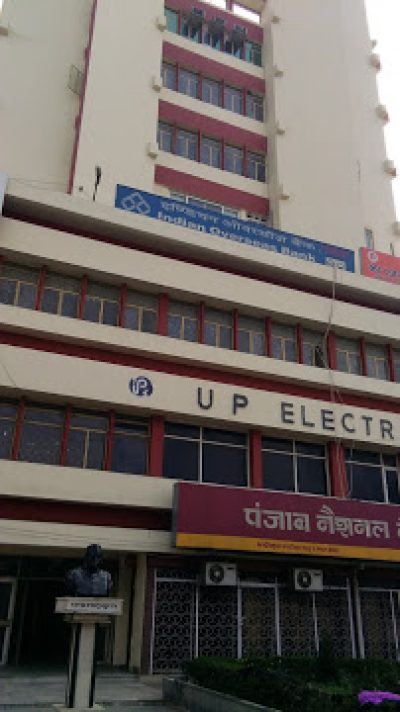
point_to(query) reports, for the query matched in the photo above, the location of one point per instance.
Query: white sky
(384, 20)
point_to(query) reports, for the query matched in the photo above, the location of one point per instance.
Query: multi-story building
(194, 373)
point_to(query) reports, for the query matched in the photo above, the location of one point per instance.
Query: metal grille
(379, 611)
(334, 621)
(174, 625)
(258, 622)
(297, 625)
(218, 621)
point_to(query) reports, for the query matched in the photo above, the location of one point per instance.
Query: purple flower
(376, 697)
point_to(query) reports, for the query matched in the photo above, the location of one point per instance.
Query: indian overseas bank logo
(141, 386)
(135, 203)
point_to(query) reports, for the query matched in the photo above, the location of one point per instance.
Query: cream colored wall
(44, 376)
(121, 107)
(38, 110)
(330, 160)
(181, 280)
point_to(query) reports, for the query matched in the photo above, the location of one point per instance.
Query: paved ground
(118, 691)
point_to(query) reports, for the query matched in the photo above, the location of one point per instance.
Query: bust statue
(89, 579)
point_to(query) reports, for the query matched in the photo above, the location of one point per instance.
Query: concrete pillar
(120, 651)
(138, 611)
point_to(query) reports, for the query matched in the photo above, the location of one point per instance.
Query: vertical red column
(64, 442)
(162, 329)
(40, 290)
(256, 474)
(109, 441)
(337, 470)
(18, 430)
(331, 348)
(202, 318)
(82, 298)
(122, 304)
(363, 358)
(235, 324)
(268, 337)
(390, 362)
(156, 450)
(300, 343)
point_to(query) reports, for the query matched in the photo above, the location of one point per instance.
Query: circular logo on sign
(372, 256)
(141, 386)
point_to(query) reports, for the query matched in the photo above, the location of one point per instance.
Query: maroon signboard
(212, 517)
(379, 265)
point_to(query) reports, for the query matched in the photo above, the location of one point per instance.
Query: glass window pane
(172, 20)
(392, 483)
(40, 443)
(211, 92)
(174, 326)
(259, 344)
(27, 296)
(165, 136)
(365, 482)
(278, 471)
(225, 337)
(92, 309)
(224, 436)
(181, 459)
(233, 99)
(188, 83)
(110, 313)
(244, 341)
(50, 301)
(8, 290)
(277, 444)
(129, 454)
(224, 465)
(211, 152)
(70, 304)
(310, 449)
(96, 450)
(168, 75)
(233, 159)
(76, 448)
(311, 475)
(185, 431)
(366, 456)
(131, 319)
(186, 144)
(210, 334)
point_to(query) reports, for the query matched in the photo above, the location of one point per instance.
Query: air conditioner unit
(157, 82)
(75, 80)
(217, 574)
(308, 580)
(375, 61)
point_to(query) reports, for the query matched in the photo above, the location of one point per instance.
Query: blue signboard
(248, 232)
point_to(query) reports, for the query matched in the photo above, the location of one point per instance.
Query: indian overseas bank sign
(235, 519)
(247, 232)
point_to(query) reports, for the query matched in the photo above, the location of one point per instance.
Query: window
(233, 160)
(255, 107)
(377, 362)
(41, 435)
(192, 25)
(348, 355)
(8, 417)
(188, 83)
(256, 167)
(183, 322)
(218, 328)
(168, 73)
(205, 454)
(18, 285)
(294, 466)
(140, 313)
(314, 350)
(206, 204)
(233, 100)
(396, 363)
(86, 443)
(211, 92)
(211, 152)
(61, 295)
(172, 20)
(186, 144)
(369, 238)
(165, 137)
(284, 344)
(372, 476)
(102, 304)
(129, 447)
(252, 53)
(251, 336)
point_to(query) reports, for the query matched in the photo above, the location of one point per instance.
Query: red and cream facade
(136, 354)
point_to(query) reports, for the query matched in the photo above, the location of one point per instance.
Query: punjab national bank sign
(213, 517)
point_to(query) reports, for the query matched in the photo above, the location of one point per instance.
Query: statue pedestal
(84, 614)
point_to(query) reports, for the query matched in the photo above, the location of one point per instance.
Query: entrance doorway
(7, 603)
